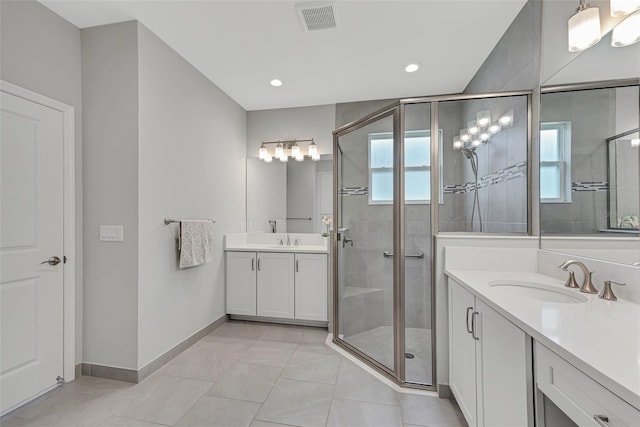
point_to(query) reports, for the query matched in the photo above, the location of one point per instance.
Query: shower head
(468, 153)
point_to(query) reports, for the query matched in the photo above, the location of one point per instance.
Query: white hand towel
(196, 243)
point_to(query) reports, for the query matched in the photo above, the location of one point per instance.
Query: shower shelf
(353, 291)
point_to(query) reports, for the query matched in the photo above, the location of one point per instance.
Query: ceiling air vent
(316, 16)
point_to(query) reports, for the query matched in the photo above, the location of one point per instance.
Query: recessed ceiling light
(412, 67)
(276, 82)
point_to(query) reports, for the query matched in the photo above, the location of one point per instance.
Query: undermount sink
(537, 291)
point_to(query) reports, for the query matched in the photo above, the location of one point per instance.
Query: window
(555, 162)
(417, 159)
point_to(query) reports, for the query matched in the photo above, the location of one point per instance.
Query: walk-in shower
(399, 180)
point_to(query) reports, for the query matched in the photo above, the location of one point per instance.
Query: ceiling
(241, 45)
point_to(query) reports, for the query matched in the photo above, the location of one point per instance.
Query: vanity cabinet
(489, 367)
(279, 285)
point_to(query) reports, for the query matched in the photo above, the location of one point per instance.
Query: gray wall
(40, 51)
(191, 165)
(111, 145)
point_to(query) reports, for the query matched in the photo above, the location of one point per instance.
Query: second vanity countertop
(311, 243)
(599, 337)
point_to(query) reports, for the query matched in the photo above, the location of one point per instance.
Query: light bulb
(476, 143)
(313, 150)
(506, 119)
(484, 137)
(295, 151)
(584, 28)
(494, 129)
(457, 144)
(483, 118)
(464, 135)
(262, 152)
(623, 7)
(279, 152)
(627, 32)
(472, 127)
(635, 142)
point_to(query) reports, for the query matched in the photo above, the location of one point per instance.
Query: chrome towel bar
(388, 254)
(302, 219)
(168, 221)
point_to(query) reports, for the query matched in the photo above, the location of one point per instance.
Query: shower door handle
(346, 240)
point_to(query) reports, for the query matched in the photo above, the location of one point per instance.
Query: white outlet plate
(111, 233)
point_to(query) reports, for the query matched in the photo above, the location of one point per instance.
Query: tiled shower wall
(592, 114)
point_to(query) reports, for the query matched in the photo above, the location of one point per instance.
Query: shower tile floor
(378, 343)
(242, 374)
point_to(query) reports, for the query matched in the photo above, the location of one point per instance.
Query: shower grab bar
(302, 219)
(419, 254)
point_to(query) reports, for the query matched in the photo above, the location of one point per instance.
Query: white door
(462, 351)
(241, 283)
(31, 215)
(275, 285)
(311, 287)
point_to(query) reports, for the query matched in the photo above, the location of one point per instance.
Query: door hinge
(64, 259)
(60, 380)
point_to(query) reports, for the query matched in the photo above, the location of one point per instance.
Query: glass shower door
(365, 183)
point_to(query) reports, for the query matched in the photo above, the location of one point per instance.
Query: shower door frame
(397, 110)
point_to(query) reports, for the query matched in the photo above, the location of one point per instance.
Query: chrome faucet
(587, 285)
(288, 241)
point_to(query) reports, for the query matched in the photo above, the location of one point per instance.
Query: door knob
(54, 260)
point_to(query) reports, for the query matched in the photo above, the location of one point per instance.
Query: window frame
(389, 135)
(564, 164)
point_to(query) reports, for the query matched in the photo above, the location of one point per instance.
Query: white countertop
(311, 243)
(601, 338)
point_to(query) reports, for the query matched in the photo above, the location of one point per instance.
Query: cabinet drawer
(577, 395)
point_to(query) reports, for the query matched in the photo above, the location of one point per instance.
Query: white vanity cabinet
(489, 368)
(280, 285)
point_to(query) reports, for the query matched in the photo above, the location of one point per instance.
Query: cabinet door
(503, 372)
(311, 287)
(462, 356)
(275, 285)
(241, 283)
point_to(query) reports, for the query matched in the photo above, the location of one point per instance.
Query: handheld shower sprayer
(473, 158)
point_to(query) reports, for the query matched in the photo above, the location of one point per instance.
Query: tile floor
(242, 374)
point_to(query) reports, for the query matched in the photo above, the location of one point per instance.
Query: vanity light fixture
(457, 144)
(276, 82)
(481, 130)
(285, 149)
(476, 142)
(495, 129)
(627, 32)
(584, 27)
(484, 137)
(623, 7)
(635, 142)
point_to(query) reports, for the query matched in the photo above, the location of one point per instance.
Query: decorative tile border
(590, 186)
(354, 191)
(507, 174)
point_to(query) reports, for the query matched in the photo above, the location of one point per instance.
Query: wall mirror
(289, 197)
(589, 158)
